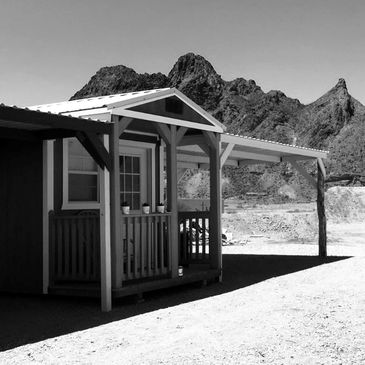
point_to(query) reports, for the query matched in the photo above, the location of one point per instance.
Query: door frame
(148, 150)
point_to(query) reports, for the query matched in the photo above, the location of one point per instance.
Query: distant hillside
(336, 121)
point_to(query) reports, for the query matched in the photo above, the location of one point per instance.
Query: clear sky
(50, 48)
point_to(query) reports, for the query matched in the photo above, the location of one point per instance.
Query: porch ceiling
(240, 150)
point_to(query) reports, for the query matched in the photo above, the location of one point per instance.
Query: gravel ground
(314, 313)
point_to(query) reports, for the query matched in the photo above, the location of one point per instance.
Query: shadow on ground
(28, 319)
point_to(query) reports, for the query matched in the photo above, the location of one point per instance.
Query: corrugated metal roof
(271, 142)
(92, 103)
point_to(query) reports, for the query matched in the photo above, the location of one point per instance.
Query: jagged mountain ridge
(333, 122)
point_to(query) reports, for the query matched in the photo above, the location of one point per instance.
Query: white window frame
(66, 204)
(150, 169)
(80, 205)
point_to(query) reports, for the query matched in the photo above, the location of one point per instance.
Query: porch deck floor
(192, 274)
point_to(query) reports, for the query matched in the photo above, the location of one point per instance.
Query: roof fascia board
(87, 112)
(274, 146)
(166, 120)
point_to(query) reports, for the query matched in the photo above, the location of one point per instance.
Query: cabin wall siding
(21, 216)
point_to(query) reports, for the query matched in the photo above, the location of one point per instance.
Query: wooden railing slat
(87, 248)
(142, 243)
(128, 250)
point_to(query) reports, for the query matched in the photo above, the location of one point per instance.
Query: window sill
(80, 205)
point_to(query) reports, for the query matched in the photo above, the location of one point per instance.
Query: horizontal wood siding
(193, 237)
(21, 216)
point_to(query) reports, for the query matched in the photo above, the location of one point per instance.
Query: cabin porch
(146, 252)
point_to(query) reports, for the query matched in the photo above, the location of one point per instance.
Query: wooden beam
(116, 241)
(322, 167)
(166, 120)
(210, 139)
(96, 149)
(105, 249)
(226, 152)
(55, 133)
(322, 224)
(123, 123)
(164, 131)
(180, 134)
(171, 169)
(303, 172)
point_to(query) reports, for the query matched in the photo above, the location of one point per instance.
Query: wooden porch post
(171, 167)
(105, 253)
(117, 249)
(215, 231)
(322, 229)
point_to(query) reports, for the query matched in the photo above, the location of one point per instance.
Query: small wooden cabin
(67, 168)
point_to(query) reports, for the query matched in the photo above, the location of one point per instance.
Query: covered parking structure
(237, 150)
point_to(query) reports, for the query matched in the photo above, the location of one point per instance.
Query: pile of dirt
(289, 225)
(345, 204)
(295, 222)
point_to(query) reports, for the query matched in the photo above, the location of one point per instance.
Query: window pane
(78, 158)
(82, 187)
(128, 182)
(122, 182)
(136, 201)
(136, 183)
(128, 198)
(128, 164)
(121, 163)
(136, 165)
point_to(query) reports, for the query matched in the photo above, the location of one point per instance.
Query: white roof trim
(143, 99)
(111, 103)
(166, 120)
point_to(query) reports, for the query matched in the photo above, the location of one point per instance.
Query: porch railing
(194, 237)
(74, 247)
(146, 245)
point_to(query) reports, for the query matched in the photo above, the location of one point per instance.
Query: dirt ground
(270, 309)
(278, 304)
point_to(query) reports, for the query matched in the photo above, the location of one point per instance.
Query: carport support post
(105, 252)
(322, 231)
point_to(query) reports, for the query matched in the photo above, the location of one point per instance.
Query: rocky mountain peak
(341, 84)
(190, 66)
(195, 76)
